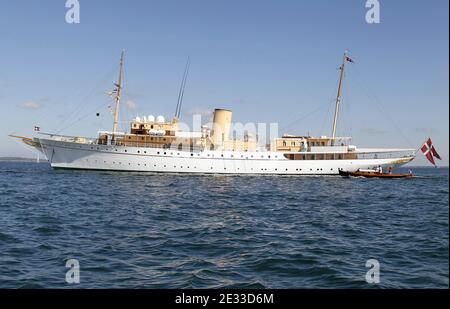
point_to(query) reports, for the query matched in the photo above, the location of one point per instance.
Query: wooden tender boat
(373, 174)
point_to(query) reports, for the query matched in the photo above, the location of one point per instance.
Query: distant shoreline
(20, 159)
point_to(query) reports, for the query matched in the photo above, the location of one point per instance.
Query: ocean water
(144, 230)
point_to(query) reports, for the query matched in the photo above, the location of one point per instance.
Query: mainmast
(117, 91)
(338, 97)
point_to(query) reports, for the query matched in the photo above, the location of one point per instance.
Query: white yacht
(154, 144)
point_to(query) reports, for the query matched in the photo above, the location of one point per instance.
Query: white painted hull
(119, 158)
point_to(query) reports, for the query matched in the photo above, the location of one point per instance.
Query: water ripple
(145, 230)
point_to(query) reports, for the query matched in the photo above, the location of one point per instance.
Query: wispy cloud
(131, 105)
(30, 105)
(374, 131)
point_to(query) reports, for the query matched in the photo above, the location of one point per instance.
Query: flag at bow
(430, 152)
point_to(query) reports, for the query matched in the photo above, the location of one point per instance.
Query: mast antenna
(117, 91)
(345, 58)
(182, 87)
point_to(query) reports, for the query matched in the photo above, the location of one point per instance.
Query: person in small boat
(379, 169)
(410, 173)
(390, 170)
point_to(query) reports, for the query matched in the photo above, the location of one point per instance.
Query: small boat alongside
(373, 174)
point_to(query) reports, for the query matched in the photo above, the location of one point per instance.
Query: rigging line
(329, 104)
(184, 87)
(382, 110)
(288, 126)
(181, 92)
(83, 101)
(345, 111)
(81, 118)
(333, 100)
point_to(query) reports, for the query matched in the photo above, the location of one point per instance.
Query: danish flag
(430, 152)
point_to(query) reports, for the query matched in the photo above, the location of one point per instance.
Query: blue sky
(268, 61)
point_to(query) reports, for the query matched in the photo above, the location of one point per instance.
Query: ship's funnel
(221, 126)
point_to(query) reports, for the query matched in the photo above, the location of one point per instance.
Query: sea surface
(144, 230)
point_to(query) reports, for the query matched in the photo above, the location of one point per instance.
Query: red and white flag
(430, 152)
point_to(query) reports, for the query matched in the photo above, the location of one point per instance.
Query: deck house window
(310, 157)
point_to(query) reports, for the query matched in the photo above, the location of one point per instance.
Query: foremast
(117, 92)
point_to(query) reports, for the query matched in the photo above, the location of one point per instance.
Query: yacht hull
(72, 155)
